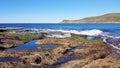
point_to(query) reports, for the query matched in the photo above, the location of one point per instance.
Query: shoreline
(77, 50)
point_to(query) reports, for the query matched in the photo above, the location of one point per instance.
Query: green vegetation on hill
(107, 18)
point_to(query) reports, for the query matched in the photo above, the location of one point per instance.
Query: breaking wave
(92, 32)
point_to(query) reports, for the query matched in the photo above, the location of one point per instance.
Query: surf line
(111, 45)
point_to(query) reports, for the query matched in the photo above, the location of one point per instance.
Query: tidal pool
(29, 45)
(9, 59)
(70, 57)
(32, 45)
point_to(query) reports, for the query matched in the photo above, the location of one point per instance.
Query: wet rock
(93, 51)
(97, 38)
(110, 40)
(69, 50)
(39, 37)
(38, 60)
(75, 63)
(61, 50)
(83, 36)
(115, 42)
(104, 63)
(52, 41)
(9, 65)
(10, 43)
(2, 48)
(3, 30)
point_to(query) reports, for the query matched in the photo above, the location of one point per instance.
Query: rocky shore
(74, 52)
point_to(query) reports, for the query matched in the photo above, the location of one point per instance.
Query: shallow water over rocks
(78, 47)
(26, 46)
(32, 45)
(69, 56)
(9, 59)
(47, 46)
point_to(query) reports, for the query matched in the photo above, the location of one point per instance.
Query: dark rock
(83, 36)
(2, 48)
(3, 30)
(97, 38)
(115, 42)
(38, 60)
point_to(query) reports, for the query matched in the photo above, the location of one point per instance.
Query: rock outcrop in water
(107, 18)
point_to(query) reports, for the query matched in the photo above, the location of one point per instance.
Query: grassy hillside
(107, 18)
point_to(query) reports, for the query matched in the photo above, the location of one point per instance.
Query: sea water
(111, 30)
(104, 30)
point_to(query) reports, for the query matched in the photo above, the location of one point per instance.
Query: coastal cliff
(106, 18)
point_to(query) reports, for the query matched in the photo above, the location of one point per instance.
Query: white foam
(115, 47)
(92, 32)
(110, 35)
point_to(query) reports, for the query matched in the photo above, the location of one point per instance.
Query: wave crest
(92, 32)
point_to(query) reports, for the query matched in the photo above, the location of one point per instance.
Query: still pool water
(9, 59)
(29, 45)
(32, 45)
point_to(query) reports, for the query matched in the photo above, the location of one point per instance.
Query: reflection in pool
(47, 46)
(6, 59)
(32, 45)
(29, 45)
(68, 57)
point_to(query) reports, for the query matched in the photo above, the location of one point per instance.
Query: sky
(53, 11)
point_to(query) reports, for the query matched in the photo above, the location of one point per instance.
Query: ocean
(109, 30)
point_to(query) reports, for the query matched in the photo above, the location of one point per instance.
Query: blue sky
(53, 11)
